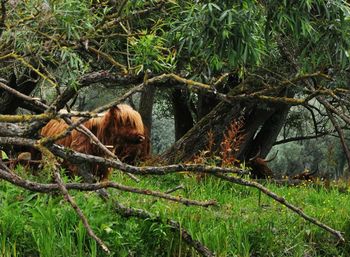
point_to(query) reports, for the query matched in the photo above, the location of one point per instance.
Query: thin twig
(175, 189)
(341, 136)
(11, 177)
(71, 201)
(283, 201)
(139, 213)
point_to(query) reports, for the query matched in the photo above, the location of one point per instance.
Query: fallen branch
(28, 99)
(216, 171)
(81, 215)
(124, 211)
(283, 201)
(46, 188)
(77, 157)
(141, 214)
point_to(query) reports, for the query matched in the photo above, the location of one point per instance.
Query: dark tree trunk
(261, 129)
(26, 84)
(196, 139)
(262, 124)
(206, 104)
(182, 114)
(146, 106)
(268, 134)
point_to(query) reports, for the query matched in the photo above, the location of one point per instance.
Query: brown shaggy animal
(121, 127)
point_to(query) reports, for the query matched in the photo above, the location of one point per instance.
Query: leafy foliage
(37, 224)
(222, 35)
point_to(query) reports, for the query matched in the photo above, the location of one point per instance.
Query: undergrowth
(244, 223)
(34, 224)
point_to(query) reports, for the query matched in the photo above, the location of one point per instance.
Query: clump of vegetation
(39, 224)
(225, 154)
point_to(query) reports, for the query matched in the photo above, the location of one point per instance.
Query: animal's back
(55, 127)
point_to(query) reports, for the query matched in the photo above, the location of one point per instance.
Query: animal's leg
(104, 173)
(84, 171)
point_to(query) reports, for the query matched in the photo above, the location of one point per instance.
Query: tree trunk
(206, 103)
(182, 115)
(26, 84)
(262, 124)
(196, 139)
(262, 129)
(146, 106)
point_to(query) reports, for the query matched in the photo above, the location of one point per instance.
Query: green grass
(33, 224)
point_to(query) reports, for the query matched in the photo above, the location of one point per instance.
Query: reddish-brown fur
(259, 167)
(121, 126)
(131, 153)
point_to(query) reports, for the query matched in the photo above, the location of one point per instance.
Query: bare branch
(216, 171)
(141, 214)
(81, 215)
(76, 157)
(292, 139)
(20, 130)
(341, 136)
(283, 201)
(46, 188)
(24, 97)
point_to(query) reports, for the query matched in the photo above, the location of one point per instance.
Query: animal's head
(121, 125)
(132, 153)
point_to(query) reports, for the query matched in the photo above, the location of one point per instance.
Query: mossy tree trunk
(262, 123)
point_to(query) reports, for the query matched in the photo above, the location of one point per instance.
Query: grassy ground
(33, 224)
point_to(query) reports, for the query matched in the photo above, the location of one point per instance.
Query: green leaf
(4, 155)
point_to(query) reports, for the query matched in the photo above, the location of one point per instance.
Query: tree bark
(146, 106)
(262, 124)
(270, 121)
(26, 84)
(206, 103)
(182, 115)
(20, 129)
(196, 139)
